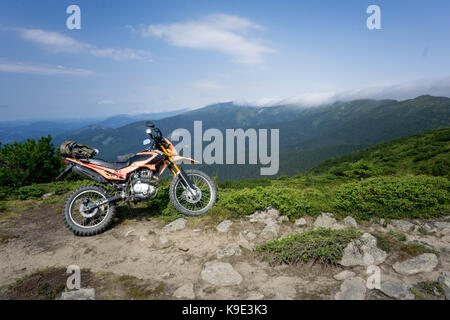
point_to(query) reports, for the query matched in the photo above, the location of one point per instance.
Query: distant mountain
(124, 119)
(308, 136)
(11, 131)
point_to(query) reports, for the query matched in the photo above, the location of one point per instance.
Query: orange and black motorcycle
(89, 210)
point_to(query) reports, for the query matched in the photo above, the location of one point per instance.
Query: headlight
(148, 130)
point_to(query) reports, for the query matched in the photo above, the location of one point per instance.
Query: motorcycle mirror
(146, 141)
(150, 124)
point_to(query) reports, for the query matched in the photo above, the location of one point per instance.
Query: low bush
(289, 202)
(394, 197)
(323, 245)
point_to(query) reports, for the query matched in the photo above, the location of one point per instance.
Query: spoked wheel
(193, 205)
(79, 213)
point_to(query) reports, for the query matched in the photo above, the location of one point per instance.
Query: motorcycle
(90, 209)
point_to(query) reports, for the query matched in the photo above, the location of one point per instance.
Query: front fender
(184, 160)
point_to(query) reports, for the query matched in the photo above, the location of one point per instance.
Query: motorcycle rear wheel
(82, 221)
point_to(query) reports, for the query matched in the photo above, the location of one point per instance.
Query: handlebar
(155, 134)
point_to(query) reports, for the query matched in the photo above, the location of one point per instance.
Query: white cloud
(17, 67)
(106, 102)
(58, 42)
(223, 33)
(402, 91)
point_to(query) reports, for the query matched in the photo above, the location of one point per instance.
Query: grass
(44, 284)
(424, 231)
(322, 245)
(5, 236)
(415, 249)
(136, 291)
(428, 290)
(393, 241)
(49, 283)
(398, 235)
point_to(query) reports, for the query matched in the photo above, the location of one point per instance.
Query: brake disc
(86, 212)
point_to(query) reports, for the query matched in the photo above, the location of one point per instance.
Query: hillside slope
(423, 153)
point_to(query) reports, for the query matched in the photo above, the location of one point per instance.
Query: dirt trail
(138, 248)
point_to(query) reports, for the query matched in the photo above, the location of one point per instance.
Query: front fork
(176, 170)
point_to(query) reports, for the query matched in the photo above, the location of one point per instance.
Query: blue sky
(152, 56)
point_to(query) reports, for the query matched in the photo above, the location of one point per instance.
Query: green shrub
(361, 169)
(289, 202)
(323, 245)
(394, 197)
(29, 162)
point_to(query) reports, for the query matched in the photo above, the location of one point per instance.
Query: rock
(443, 226)
(382, 221)
(179, 261)
(243, 241)
(281, 296)
(224, 226)
(250, 236)
(402, 225)
(444, 281)
(363, 252)
(283, 285)
(337, 226)
(283, 219)
(142, 238)
(175, 225)
(425, 244)
(167, 275)
(164, 242)
(350, 222)
(300, 222)
(270, 230)
(253, 295)
(81, 294)
(47, 195)
(129, 232)
(220, 274)
(231, 250)
(325, 220)
(185, 292)
(272, 213)
(352, 289)
(397, 290)
(346, 274)
(267, 216)
(423, 263)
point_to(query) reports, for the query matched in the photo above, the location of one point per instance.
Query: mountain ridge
(308, 136)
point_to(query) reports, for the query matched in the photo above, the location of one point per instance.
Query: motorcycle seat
(110, 165)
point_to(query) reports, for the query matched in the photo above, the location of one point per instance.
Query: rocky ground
(187, 259)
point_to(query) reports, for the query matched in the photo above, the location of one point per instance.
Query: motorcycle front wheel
(185, 202)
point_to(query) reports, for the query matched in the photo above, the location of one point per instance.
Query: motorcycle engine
(143, 185)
